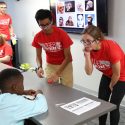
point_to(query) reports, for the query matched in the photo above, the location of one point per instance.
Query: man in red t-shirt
(6, 28)
(108, 57)
(56, 44)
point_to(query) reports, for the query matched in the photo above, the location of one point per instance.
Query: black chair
(15, 60)
(29, 122)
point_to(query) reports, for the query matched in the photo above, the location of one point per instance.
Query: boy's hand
(39, 91)
(30, 92)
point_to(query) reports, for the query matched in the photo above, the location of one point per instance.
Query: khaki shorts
(66, 75)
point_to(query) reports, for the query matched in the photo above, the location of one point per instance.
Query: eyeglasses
(45, 26)
(3, 7)
(87, 42)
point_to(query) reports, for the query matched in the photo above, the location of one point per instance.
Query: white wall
(25, 26)
(117, 21)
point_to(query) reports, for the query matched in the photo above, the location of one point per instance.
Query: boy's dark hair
(43, 14)
(8, 76)
(2, 2)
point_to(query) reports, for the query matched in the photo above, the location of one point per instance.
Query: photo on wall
(89, 19)
(89, 5)
(74, 15)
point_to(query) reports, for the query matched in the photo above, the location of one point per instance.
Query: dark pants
(114, 97)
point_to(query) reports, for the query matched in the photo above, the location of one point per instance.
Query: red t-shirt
(5, 22)
(5, 50)
(110, 53)
(53, 44)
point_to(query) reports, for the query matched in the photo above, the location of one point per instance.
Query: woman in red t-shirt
(109, 58)
(5, 52)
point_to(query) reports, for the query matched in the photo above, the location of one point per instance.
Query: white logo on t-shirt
(102, 64)
(4, 21)
(1, 52)
(51, 46)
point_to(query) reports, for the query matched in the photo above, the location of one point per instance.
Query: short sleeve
(10, 21)
(65, 39)
(36, 40)
(115, 52)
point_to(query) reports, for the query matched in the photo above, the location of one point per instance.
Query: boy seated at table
(6, 52)
(14, 107)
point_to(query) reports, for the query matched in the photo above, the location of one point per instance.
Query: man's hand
(53, 78)
(40, 72)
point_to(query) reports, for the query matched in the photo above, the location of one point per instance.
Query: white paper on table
(81, 105)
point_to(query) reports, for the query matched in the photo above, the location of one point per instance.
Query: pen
(59, 104)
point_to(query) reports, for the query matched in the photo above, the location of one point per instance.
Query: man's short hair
(43, 14)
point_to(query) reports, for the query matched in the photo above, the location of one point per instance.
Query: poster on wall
(75, 13)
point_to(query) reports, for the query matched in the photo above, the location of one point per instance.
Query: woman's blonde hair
(2, 39)
(94, 31)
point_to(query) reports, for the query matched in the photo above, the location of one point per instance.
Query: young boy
(14, 107)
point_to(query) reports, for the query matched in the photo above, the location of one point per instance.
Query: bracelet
(37, 68)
